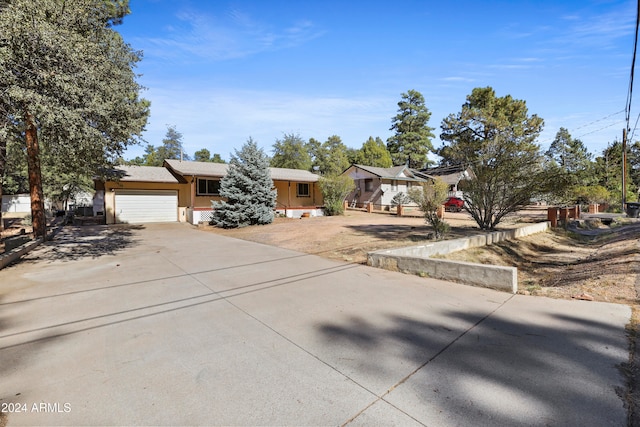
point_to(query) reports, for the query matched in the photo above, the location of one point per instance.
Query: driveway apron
(163, 324)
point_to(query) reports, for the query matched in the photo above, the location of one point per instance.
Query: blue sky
(224, 71)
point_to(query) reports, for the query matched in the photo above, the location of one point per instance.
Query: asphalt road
(166, 325)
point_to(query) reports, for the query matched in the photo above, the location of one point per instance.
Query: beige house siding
(288, 195)
(205, 201)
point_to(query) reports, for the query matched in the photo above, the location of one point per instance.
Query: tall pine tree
(67, 84)
(248, 189)
(412, 141)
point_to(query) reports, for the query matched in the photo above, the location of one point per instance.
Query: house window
(208, 187)
(368, 185)
(303, 189)
(394, 185)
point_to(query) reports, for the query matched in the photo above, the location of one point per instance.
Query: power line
(634, 128)
(633, 66)
(589, 124)
(625, 133)
(598, 130)
(599, 120)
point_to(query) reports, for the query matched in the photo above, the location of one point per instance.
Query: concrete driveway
(164, 324)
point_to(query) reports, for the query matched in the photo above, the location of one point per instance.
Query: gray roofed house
(185, 190)
(377, 186)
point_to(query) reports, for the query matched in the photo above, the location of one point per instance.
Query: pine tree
(572, 157)
(248, 189)
(171, 147)
(412, 141)
(495, 137)
(67, 85)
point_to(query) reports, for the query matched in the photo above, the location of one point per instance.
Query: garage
(141, 206)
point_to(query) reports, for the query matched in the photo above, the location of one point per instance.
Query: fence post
(552, 216)
(564, 215)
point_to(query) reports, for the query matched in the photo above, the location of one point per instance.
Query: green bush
(429, 197)
(334, 190)
(400, 199)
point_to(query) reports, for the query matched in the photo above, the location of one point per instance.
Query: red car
(454, 204)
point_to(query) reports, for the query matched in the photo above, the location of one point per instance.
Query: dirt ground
(350, 236)
(592, 260)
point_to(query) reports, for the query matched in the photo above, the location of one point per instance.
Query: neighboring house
(17, 203)
(183, 191)
(379, 185)
(21, 204)
(452, 175)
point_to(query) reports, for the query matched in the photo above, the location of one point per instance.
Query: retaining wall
(415, 259)
(15, 254)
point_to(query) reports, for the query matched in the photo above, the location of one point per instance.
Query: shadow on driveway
(76, 242)
(497, 372)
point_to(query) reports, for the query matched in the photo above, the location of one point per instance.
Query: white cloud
(600, 30)
(457, 79)
(235, 35)
(509, 66)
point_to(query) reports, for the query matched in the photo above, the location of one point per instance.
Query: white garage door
(139, 206)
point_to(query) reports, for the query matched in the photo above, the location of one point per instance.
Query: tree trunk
(35, 177)
(3, 166)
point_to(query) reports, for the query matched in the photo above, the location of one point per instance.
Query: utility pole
(624, 169)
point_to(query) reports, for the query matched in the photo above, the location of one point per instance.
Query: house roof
(449, 174)
(300, 175)
(444, 170)
(392, 172)
(188, 168)
(395, 172)
(143, 174)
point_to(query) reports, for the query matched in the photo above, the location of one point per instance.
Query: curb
(15, 254)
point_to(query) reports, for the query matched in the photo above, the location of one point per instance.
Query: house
(183, 191)
(20, 204)
(16, 203)
(379, 185)
(452, 175)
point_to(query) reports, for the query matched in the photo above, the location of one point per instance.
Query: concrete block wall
(416, 259)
